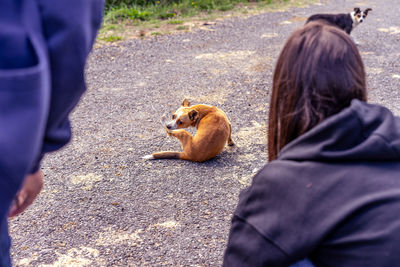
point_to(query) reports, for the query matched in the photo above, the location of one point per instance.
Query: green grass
(111, 27)
(182, 28)
(125, 13)
(175, 22)
(111, 38)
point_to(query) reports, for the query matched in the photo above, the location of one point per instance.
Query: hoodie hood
(361, 132)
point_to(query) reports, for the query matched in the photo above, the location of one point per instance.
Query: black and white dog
(346, 22)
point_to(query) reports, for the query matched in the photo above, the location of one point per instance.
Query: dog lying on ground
(213, 131)
(346, 22)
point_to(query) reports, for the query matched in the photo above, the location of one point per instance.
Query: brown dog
(213, 131)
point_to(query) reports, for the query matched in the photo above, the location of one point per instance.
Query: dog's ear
(193, 115)
(357, 10)
(185, 103)
(367, 10)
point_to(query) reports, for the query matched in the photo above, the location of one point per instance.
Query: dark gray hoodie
(333, 195)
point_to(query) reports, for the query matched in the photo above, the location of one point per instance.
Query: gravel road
(102, 205)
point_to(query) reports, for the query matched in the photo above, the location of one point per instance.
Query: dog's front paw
(169, 132)
(148, 157)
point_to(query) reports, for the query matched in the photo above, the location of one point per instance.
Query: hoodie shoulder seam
(263, 235)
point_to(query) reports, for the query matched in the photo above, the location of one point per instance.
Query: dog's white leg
(148, 157)
(355, 40)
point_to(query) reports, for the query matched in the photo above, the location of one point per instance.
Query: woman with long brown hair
(331, 190)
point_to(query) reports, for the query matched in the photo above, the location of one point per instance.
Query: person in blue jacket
(331, 190)
(44, 45)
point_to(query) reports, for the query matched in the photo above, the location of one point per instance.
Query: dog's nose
(168, 126)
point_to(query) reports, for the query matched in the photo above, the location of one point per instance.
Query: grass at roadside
(128, 21)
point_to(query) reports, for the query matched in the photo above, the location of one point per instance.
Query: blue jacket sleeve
(70, 28)
(24, 95)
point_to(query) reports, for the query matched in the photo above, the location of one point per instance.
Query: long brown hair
(318, 73)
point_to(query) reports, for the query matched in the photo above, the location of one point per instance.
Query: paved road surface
(102, 205)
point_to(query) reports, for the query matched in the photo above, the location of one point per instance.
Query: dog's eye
(179, 122)
(173, 117)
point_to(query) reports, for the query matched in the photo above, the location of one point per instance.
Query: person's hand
(31, 187)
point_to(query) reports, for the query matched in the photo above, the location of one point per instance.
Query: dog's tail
(164, 155)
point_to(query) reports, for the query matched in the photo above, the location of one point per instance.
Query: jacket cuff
(36, 165)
